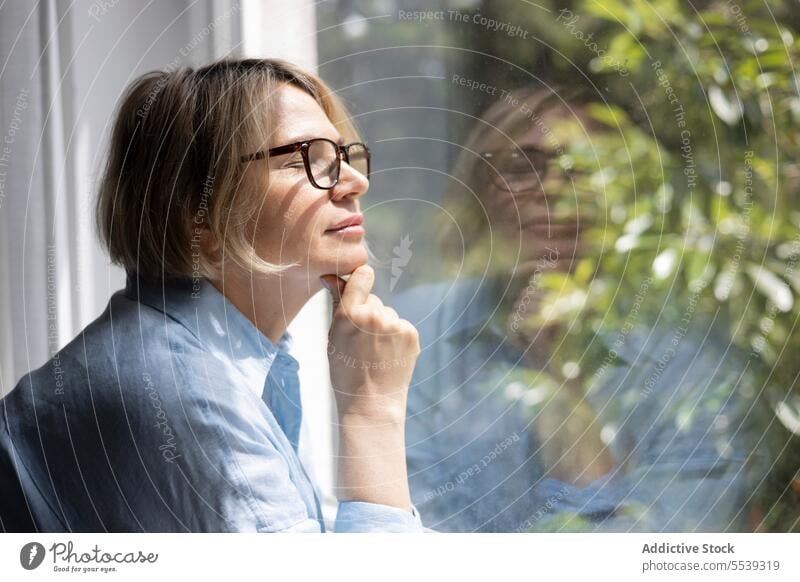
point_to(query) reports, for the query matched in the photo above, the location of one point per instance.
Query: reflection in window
(589, 211)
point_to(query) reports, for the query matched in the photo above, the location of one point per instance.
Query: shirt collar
(217, 324)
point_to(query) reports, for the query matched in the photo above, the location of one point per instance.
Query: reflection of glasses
(519, 168)
(322, 159)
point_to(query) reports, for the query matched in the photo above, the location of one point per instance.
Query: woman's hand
(372, 353)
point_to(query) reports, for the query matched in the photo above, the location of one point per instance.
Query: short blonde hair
(173, 167)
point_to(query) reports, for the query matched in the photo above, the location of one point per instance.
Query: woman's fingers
(390, 314)
(358, 288)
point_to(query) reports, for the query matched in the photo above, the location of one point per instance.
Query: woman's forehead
(537, 130)
(296, 116)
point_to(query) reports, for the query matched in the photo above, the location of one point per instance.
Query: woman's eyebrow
(298, 139)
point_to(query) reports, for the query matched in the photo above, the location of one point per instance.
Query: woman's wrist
(372, 463)
(373, 418)
(372, 411)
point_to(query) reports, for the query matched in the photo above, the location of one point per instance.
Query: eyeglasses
(322, 159)
(519, 169)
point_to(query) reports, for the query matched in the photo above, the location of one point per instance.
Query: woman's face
(296, 217)
(522, 201)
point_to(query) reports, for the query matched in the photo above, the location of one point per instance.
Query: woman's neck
(270, 302)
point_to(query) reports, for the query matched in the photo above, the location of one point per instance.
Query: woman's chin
(345, 263)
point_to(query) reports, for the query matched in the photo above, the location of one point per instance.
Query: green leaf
(664, 263)
(771, 286)
(728, 110)
(608, 114)
(699, 269)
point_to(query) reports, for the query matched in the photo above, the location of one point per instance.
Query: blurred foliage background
(700, 193)
(698, 169)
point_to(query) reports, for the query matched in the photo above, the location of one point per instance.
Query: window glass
(589, 210)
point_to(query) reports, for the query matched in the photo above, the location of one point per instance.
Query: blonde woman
(231, 196)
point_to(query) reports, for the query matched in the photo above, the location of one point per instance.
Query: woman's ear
(208, 241)
(210, 244)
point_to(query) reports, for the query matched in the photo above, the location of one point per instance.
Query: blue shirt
(170, 412)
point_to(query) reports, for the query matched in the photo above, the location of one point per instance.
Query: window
(587, 208)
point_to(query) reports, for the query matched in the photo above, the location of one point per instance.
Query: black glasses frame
(534, 173)
(343, 152)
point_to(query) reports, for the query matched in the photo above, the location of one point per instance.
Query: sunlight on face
(295, 217)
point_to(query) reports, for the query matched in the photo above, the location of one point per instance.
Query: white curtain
(64, 65)
(36, 262)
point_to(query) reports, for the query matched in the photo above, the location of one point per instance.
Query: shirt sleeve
(362, 517)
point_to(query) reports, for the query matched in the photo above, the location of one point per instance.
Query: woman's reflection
(494, 443)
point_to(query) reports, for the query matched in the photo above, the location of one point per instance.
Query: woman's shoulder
(130, 411)
(108, 363)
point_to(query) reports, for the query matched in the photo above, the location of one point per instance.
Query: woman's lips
(350, 225)
(355, 229)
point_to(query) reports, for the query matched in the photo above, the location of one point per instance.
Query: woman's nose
(351, 183)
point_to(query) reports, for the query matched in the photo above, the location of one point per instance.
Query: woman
(500, 436)
(230, 196)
